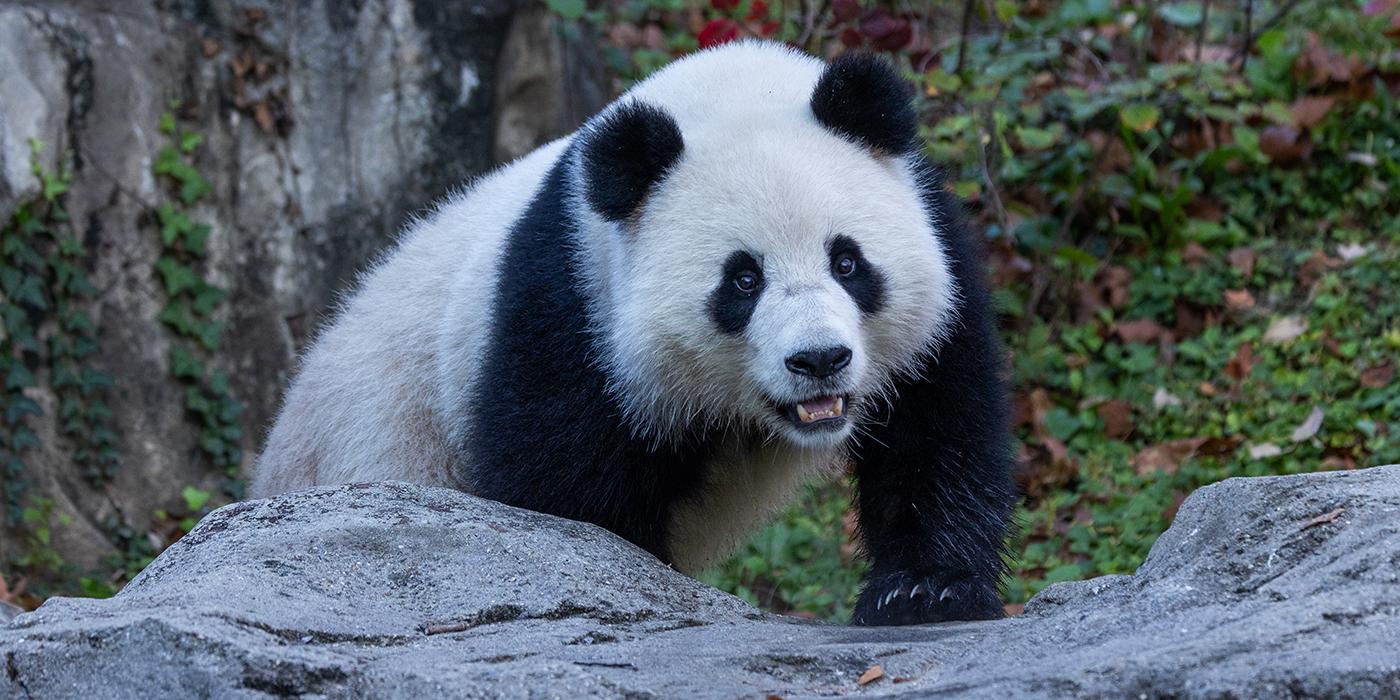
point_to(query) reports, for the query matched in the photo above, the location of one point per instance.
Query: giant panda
(739, 276)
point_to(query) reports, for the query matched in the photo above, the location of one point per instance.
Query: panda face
(777, 281)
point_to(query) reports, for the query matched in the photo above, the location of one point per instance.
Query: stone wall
(327, 124)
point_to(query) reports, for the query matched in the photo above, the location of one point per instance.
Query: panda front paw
(905, 598)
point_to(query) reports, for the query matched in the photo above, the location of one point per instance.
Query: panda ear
(861, 97)
(626, 154)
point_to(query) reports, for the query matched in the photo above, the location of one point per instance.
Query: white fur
(383, 393)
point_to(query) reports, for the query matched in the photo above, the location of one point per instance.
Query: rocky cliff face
(326, 125)
(1263, 588)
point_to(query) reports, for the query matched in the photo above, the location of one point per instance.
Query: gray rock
(373, 109)
(392, 590)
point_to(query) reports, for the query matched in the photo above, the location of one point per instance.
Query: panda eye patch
(845, 265)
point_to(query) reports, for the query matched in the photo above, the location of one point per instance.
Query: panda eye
(845, 266)
(746, 282)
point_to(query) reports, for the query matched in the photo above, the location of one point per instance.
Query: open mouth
(817, 413)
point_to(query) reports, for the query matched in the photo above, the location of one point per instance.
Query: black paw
(904, 598)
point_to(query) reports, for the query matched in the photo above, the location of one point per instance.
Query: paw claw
(946, 594)
(915, 593)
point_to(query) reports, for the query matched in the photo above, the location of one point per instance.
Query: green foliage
(192, 302)
(44, 283)
(1195, 258)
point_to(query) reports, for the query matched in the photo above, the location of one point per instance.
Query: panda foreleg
(934, 487)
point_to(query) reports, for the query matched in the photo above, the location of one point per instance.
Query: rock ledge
(392, 590)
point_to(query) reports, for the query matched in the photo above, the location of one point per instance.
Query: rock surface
(1268, 587)
(326, 124)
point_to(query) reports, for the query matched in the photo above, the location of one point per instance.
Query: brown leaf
(1309, 426)
(1310, 111)
(1239, 366)
(1013, 609)
(1140, 331)
(1117, 417)
(1324, 519)
(1318, 264)
(1239, 299)
(262, 114)
(1378, 377)
(872, 674)
(1281, 143)
(1220, 446)
(1242, 259)
(1166, 457)
(1207, 389)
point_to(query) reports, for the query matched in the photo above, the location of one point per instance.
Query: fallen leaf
(1161, 398)
(1117, 417)
(1239, 366)
(1285, 328)
(1219, 446)
(1309, 426)
(1166, 457)
(1318, 264)
(1140, 331)
(1242, 259)
(1378, 377)
(1207, 389)
(1326, 518)
(1310, 111)
(1195, 254)
(872, 674)
(1013, 609)
(1264, 450)
(1367, 159)
(1351, 251)
(1239, 299)
(262, 114)
(1282, 144)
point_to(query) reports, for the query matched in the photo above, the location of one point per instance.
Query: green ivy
(191, 303)
(44, 283)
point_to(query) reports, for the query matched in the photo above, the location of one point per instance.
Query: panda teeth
(838, 407)
(802, 413)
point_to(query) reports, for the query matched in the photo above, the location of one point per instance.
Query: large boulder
(1267, 587)
(326, 125)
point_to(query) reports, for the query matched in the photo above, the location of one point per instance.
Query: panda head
(765, 261)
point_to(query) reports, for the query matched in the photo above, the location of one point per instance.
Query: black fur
(934, 470)
(731, 307)
(626, 154)
(867, 284)
(862, 97)
(547, 435)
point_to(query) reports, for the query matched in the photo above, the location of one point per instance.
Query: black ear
(863, 98)
(626, 154)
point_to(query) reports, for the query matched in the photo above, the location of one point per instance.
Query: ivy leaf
(568, 9)
(1140, 117)
(177, 276)
(194, 498)
(1182, 14)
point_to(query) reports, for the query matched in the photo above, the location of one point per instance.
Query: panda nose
(819, 364)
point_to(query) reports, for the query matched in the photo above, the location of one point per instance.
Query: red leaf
(718, 31)
(1239, 366)
(851, 38)
(843, 11)
(725, 5)
(757, 11)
